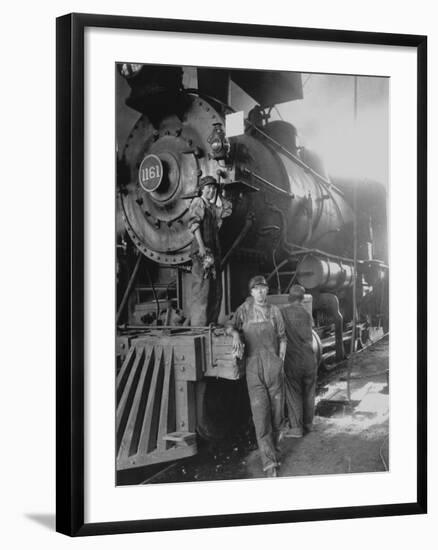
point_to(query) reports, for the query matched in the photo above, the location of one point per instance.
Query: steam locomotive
(289, 221)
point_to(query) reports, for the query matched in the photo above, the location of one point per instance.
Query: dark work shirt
(298, 327)
(207, 217)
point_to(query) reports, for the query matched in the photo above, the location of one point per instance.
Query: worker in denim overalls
(300, 372)
(205, 219)
(258, 329)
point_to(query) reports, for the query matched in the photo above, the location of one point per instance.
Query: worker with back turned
(300, 367)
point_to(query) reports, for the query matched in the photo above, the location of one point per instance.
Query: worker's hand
(238, 346)
(282, 352)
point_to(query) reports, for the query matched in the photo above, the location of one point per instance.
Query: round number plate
(150, 173)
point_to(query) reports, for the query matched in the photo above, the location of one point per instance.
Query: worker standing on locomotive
(300, 368)
(205, 220)
(258, 333)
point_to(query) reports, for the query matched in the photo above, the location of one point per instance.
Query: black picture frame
(70, 272)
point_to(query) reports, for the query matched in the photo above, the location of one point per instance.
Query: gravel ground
(350, 435)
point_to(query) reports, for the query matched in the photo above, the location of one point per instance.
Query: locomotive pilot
(205, 219)
(258, 330)
(300, 368)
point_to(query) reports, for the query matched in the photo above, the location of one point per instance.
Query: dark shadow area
(46, 520)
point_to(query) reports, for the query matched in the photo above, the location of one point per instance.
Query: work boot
(278, 439)
(272, 472)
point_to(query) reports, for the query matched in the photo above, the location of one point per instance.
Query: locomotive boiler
(289, 221)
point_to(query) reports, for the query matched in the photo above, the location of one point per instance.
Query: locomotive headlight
(219, 143)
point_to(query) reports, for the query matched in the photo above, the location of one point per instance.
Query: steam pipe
(328, 184)
(129, 287)
(248, 224)
(268, 183)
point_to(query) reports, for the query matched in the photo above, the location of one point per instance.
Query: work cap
(207, 180)
(296, 292)
(257, 280)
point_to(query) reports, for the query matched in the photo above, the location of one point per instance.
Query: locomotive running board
(155, 417)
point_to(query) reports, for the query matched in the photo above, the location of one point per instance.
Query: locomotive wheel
(222, 408)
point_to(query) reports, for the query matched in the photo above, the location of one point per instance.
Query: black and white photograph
(218, 286)
(252, 274)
